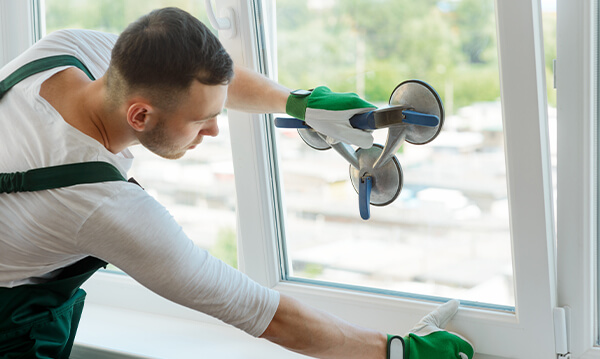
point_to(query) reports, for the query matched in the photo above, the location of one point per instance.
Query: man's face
(172, 134)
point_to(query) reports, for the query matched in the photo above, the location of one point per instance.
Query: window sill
(121, 333)
(124, 320)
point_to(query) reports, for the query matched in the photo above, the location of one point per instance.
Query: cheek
(192, 133)
(187, 131)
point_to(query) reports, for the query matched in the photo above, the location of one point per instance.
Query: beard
(158, 142)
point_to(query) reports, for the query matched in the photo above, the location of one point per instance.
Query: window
(17, 36)
(267, 211)
(198, 189)
(263, 205)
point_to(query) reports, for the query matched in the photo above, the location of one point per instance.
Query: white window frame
(577, 231)
(530, 330)
(528, 333)
(19, 27)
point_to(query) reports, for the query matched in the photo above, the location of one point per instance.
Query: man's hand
(329, 113)
(428, 340)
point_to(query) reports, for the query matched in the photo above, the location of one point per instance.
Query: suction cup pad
(313, 139)
(420, 97)
(387, 180)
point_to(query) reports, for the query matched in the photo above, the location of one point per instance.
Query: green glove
(428, 340)
(329, 113)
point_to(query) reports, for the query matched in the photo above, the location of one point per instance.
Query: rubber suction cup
(420, 97)
(313, 138)
(387, 179)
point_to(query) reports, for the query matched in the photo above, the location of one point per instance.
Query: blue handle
(421, 119)
(290, 122)
(364, 196)
(366, 121)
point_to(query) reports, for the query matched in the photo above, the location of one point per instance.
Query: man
(83, 97)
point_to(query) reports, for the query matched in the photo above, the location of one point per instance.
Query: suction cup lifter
(415, 114)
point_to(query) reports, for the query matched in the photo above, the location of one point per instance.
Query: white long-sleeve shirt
(43, 231)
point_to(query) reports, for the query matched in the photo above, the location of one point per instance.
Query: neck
(104, 123)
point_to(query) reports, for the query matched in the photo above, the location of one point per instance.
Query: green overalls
(40, 320)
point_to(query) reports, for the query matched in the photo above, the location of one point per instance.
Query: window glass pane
(447, 234)
(108, 15)
(197, 189)
(549, 28)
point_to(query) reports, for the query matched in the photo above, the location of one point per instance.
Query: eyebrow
(212, 115)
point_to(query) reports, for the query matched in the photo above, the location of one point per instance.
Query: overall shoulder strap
(56, 176)
(38, 66)
(59, 176)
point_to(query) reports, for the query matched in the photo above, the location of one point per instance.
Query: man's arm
(252, 92)
(325, 111)
(312, 332)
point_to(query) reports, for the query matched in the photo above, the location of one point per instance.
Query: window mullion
(524, 107)
(577, 171)
(257, 249)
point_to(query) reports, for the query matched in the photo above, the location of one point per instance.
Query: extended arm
(312, 332)
(325, 111)
(252, 92)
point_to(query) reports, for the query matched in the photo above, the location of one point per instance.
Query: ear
(139, 114)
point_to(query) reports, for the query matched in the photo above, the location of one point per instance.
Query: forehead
(207, 93)
(204, 99)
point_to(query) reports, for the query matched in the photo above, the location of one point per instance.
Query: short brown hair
(161, 53)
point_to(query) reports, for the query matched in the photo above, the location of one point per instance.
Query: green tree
(108, 15)
(376, 43)
(549, 24)
(475, 19)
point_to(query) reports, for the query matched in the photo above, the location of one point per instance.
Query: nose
(211, 128)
